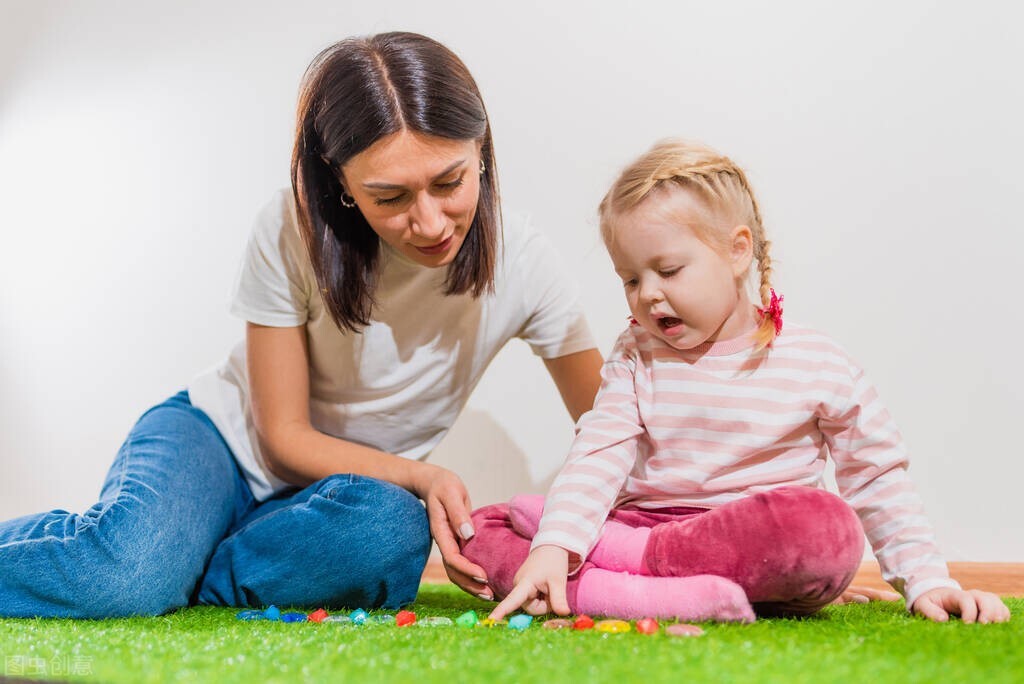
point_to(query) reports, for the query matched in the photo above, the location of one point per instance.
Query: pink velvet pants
(792, 549)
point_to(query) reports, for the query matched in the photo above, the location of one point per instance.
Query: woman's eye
(451, 185)
(383, 201)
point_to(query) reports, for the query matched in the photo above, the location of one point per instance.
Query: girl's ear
(741, 250)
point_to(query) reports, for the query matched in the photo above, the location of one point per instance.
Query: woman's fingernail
(480, 580)
(861, 599)
(466, 531)
(486, 597)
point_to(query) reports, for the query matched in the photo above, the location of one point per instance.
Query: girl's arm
(578, 377)
(278, 365)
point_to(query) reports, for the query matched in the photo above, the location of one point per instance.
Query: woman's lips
(439, 248)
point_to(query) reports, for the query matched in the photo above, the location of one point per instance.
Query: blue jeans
(177, 525)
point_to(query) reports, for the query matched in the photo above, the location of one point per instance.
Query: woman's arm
(578, 377)
(278, 364)
(293, 450)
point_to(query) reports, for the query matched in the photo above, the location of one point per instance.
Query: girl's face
(418, 193)
(678, 287)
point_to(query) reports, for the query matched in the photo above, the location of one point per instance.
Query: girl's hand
(540, 584)
(973, 605)
(448, 509)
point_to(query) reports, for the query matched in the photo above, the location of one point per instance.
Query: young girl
(692, 489)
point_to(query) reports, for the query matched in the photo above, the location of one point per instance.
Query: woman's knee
(390, 521)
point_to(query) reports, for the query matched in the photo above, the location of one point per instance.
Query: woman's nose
(426, 219)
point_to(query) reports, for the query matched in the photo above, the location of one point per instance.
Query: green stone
(467, 619)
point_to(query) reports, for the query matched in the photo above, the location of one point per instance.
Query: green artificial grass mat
(875, 642)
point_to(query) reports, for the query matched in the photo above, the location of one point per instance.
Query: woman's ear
(741, 250)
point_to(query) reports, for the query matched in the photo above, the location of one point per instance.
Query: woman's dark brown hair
(354, 93)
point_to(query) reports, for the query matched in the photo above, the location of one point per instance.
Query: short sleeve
(554, 322)
(273, 285)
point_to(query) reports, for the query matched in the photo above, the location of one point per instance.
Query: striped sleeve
(600, 459)
(871, 472)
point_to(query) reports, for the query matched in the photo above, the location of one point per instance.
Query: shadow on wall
(484, 455)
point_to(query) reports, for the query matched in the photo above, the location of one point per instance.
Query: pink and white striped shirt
(711, 425)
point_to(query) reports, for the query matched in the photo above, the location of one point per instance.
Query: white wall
(137, 141)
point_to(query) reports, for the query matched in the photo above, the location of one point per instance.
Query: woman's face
(418, 193)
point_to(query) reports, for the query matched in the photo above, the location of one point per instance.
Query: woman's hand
(973, 605)
(448, 510)
(857, 594)
(540, 584)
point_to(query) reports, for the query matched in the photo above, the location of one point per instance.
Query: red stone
(317, 615)
(404, 618)
(647, 626)
(583, 622)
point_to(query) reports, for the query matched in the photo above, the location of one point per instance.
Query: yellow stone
(613, 626)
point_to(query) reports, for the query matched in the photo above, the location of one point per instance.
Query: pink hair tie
(774, 311)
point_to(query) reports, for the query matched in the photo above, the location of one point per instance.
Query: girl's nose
(650, 293)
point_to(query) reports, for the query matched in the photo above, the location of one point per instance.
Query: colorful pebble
(318, 615)
(583, 622)
(436, 621)
(613, 626)
(520, 622)
(684, 630)
(293, 617)
(405, 618)
(647, 626)
(382, 619)
(557, 623)
(467, 619)
(272, 613)
(488, 622)
(251, 615)
(358, 616)
(339, 620)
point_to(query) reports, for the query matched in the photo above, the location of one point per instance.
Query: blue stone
(358, 616)
(293, 617)
(520, 622)
(251, 615)
(272, 613)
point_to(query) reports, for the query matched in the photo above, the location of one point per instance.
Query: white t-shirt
(400, 383)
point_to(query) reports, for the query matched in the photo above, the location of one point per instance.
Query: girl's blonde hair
(721, 186)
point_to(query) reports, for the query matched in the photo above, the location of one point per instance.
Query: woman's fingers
(861, 594)
(467, 575)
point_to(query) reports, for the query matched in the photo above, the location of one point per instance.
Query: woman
(375, 293)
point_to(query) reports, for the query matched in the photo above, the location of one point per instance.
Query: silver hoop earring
(348, 201)
(483, 169)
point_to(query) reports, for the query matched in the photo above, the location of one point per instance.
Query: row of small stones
(406, 618)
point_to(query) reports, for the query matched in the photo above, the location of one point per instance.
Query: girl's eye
(629, 283)
(669, 272)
